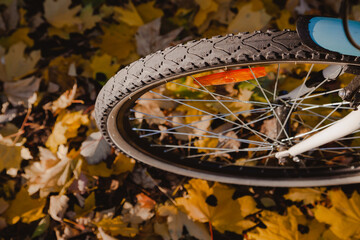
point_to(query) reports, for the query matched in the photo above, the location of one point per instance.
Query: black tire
(129, 83)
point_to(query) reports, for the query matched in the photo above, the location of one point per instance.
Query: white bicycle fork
(341, 128)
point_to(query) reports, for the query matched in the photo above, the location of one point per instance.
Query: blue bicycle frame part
(324, 33)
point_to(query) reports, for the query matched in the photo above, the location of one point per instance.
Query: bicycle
(274, 108)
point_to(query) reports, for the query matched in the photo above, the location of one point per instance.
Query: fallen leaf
(24, 208)
(19, 92)
(88, 207)
(135, 214)
(249, 19)
(58, 14)
(88, 18)
(65, 100)
(10, 15)
(128, 14)
(176, 220)
(145, 201)
(10, 154)
(58, 206)
(216, 206)
(50, 173)
(95, 149)
(141, 177)
(148, 38)
(16, 64)
(343, 216)
(116, 35)
(104, 64)
(120, 165)
(287, 227)
(148, 11)
(306, 195)
(116, 226)
(20, 35)
(66, 127)
(205, 7)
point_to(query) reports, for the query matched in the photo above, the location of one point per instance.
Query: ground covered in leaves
(59, 179)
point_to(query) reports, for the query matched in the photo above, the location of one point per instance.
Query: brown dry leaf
(148, 38)
(145, 201)
(215, 205)
(343, 216)
(306, 195)
(16, 64)
(9, 18)
(65, 100)
(135, 214)
(95, 149)
(24, 208)
(176, 220)
(21, 92)
(58, 14)
(65, 127)
(251, 17)
(286, 227)
(50, 173)
(58, 206)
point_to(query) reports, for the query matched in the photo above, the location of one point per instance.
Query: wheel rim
(121, 131)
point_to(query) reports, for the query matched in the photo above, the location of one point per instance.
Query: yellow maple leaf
(66, 126)
(89, 206)
(286, 227)
(88, 18)
(128, 15)
(20, 35)
(58, 14)
(283, 22)
(343, 216)
(65, 100)
(250, 17)
(16, 64)
(215, 205)
(176, 221)
(115, 226)
(117, 35)
(104, 64)
(24, 208)
(10, 154)
(206, 7)
(148, 12)
(306, 195)
(120, 165)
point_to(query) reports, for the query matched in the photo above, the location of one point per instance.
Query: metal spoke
(317, 95)
(210, 148)
(259, 134)
(293, 106)
(276, 82)
(220, 95)
(198, 115)
(271, 106)
(323, 120)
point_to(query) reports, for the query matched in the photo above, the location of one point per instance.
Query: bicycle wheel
(167, 111)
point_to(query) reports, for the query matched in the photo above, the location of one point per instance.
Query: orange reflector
(231, 76)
